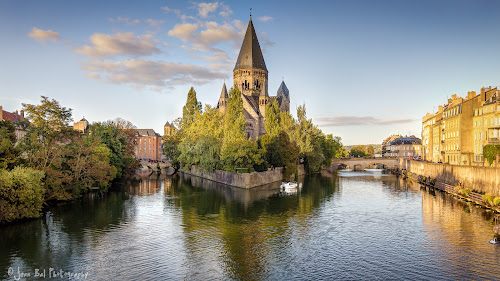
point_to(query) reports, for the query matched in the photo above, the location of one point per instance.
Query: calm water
(351, 226)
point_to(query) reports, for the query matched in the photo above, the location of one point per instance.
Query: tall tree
(8, 151)
(191, 109)
(273, 119)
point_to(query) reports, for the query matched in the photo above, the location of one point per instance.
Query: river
(351, 226)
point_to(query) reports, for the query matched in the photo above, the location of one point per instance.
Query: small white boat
(374, 170)
(289, 185)
(346, 170)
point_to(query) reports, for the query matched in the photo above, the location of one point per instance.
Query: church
(250, 76)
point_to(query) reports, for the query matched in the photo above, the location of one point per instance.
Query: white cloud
(205, 8)
(105, 45)
(153, 22)
(226, 11)
(152, 74)
(125, 20)
(217, 57)
(212, 35)
(184, 31)
(359, 120)
(266, 18)
(93, 75)
(42, 36)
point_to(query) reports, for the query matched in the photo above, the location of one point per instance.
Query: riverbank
(457, 191)
(242, 180)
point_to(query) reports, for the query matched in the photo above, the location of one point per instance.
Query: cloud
(184, 31)
(205, 8)
(42, 36)
(226, 11)
(217, 57)
(93, 75)
(266, 18)
(347, 120)
(104, 45)
(153, 22)
(152, 74)
(125, 20)
(212, 35)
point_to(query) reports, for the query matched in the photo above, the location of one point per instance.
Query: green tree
(273, 119)
(72, 163)
(8, 151)
(113, 134)
(358, 151)
(21, 193)
(370, 150)
(490, 152)
(191, 110)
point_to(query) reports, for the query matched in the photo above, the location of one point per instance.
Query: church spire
(250, 53)
(223, 94)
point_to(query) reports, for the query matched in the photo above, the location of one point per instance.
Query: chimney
(22, 114)
(440, 108)
(471, 94)
(454, 96)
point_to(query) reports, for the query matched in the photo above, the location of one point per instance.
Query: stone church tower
(250, 76)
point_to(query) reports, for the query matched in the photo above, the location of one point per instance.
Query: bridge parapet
(363, 163)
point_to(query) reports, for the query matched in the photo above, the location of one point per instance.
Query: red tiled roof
(11, 116)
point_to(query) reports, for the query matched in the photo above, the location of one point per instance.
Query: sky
(364, 69)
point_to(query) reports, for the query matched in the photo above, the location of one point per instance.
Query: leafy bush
(464, 191)
(21, 193)
(496, 201)
(488, 199)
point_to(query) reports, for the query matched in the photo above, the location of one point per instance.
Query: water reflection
(347, 226)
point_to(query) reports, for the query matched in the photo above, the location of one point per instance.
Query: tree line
(55, 162)
(212, 140)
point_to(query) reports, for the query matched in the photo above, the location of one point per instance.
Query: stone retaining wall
(244, 180)
(483, 179)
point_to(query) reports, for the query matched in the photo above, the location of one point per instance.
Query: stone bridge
(363, 163)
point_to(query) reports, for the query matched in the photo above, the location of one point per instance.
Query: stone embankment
(468, 183)
(244, 180)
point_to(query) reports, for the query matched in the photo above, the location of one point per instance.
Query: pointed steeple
(223, 94)
(250, 52)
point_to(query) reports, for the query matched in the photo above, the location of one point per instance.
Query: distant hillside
(376, 147)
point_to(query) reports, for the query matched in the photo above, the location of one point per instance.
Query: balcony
(494, 140)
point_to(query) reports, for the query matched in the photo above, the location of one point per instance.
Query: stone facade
(250, 77)
(459, 130)
(405, 147)
(82, 125)
(168, 129)
(483, 179)
(244, 180)
(17, 118)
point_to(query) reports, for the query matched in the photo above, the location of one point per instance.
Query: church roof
(223, 93)
(167, 124)
(250, 52)
(283, 89)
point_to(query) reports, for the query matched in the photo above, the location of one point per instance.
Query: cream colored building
(461, 128)
(82, 125)
(168, 129)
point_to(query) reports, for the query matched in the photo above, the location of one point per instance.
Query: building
(168, 129)
(82, 125)
(386, 146)
(461, 128)
(403, 147)
(250, 77)
(148, 145)
(19, 121)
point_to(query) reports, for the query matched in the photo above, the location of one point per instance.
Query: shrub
(488, 199)
(496, 201)
(21, 193)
